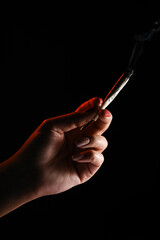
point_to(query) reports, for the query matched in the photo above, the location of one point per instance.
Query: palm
(81, 170)
(64, 173)
(73, 173)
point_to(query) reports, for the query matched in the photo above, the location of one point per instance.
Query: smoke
(140, 41)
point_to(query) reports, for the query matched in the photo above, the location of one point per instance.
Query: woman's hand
(58, 156)
(64, 156)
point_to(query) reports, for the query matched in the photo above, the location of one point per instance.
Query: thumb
(69, 121)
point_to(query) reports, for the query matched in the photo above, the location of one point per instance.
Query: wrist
(16, 185)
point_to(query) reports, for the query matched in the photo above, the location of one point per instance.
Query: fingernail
(82, 142)
(77, 157)
(106, 113)
(98, 102)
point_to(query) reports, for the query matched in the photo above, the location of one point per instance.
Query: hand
(62, 155)
(56, 157)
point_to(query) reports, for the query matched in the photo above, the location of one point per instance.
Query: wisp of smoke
(140, 40)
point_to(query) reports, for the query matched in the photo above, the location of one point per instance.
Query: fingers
(91, 153)
(80, 118)
(89, 157)
(98, 143)
(67, 122)
(93, 158)
(105, 117)
(94, 102)
(73, 120)
(101, 125)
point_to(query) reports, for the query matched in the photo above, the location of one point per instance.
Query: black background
(49, 65)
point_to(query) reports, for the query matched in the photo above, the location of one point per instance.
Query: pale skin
(56, 157)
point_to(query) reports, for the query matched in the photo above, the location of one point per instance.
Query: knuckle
(101, 159)
(92, 155)
(45, 122)
(100, 142)
(105, 142)
(95, 157)
(98, 158)
(43, 125)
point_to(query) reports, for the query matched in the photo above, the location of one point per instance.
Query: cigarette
(115, 90)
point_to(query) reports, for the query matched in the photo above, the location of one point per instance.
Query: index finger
(93, 102)
(101, 125)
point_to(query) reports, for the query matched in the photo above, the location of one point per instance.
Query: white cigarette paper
(119, 85)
